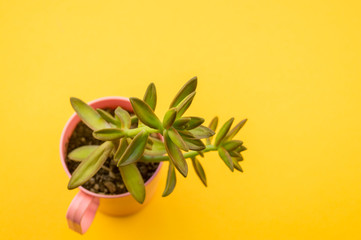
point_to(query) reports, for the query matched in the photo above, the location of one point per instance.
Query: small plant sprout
(174, 138)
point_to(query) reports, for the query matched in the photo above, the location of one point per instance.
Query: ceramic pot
(85, 204)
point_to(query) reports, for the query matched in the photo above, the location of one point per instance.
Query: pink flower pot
(84, 206)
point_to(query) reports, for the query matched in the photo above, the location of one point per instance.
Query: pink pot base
(82, 209)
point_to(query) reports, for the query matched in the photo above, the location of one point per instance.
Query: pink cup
(84, 206)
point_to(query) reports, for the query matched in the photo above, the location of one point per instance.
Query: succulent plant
(183, 139)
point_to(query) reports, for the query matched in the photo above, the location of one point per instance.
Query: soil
(108, 179)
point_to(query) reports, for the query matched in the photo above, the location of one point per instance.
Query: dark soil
(108, 179)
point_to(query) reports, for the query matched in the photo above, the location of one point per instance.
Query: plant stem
(134, 131)
(189, 154)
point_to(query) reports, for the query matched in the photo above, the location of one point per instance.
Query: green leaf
(235, 130)
(187, 89)
(226, 157)
(171, 180)
(150, 96)
(194, 144)
(235, 154)
(184, 105)
(186, 134)
(177, 139)
(194, 122)
(158, 148)
(124, 117)
(199, 171)
(90, 166)
(149, 144)
(175, 155)
(181, 123)
(123, 144)
(133, 181)
(201, 132)
(135, 149)
(109, 118)
(236, 165)
(223, 131)
(241, 149)
(108, 134)
(134, 119)
(232, 145)
(212, 125)
(88, 115)
(81, 153)
(145, 113)
(169, 118)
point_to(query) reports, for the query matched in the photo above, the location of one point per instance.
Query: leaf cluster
(183, 138)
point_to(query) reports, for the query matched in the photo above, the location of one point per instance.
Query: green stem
(189, 154)
(134, 131)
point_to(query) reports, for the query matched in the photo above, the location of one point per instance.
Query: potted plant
(121, 143)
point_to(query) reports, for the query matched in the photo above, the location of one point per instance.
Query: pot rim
(74, 117)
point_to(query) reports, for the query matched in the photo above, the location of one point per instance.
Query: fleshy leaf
(133, 181)
(134, 119)
(186, 133)
(201, 132)
(123, 144)
(223, 131)
(232, 145)
(135, 149)
(212, 125)
(235, 154)
(184, 105)
(150, 96)
(81, 153)
(241, 149)
(181, 123)
(109, 118)
(194, 122)
(158, 148)
(235, 130)
(108, 134)
(187, 89)
(145, 113)
(177, 139)
(124, 117)
(236, 165)
(169, 118)
(194, 144)
(88, 115)
(90, 166)
(200, 171)
(149, 144)
(171, 180)
(226, 157)
(175, 155)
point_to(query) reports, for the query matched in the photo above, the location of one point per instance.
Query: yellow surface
(293, 69)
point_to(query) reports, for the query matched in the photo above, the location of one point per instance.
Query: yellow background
(293, 68)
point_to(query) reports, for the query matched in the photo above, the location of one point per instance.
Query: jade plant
(174, 138)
